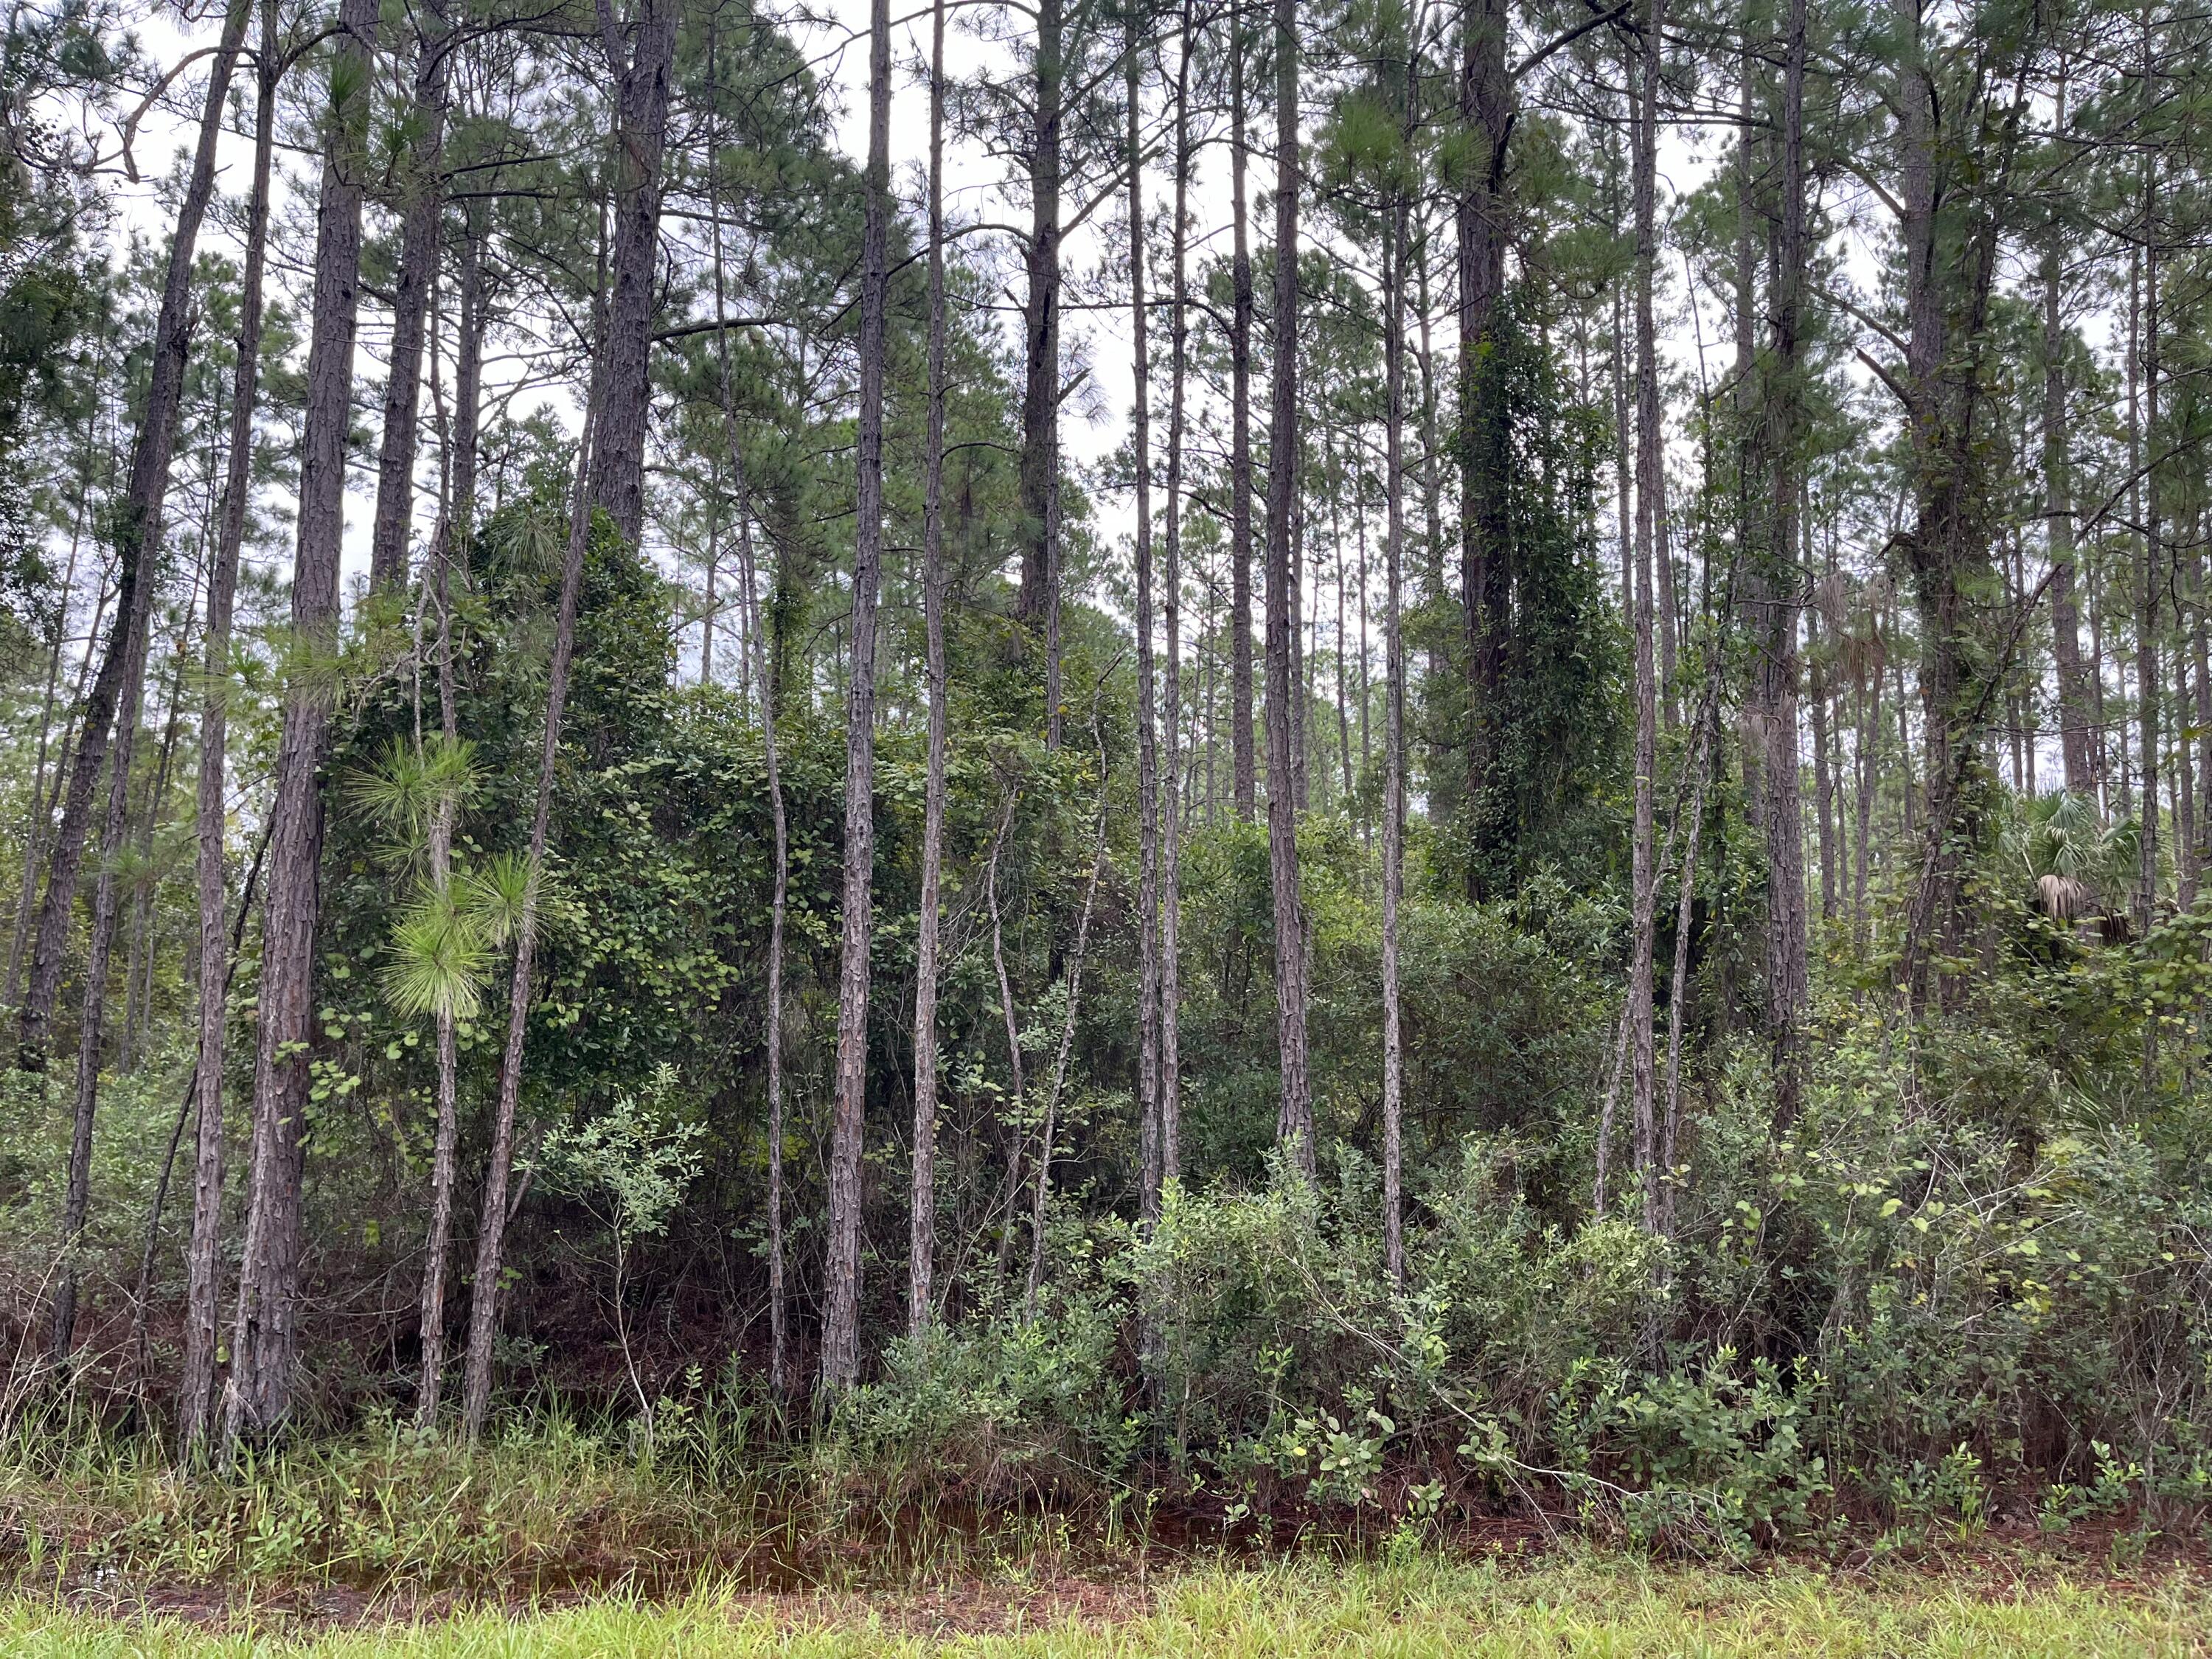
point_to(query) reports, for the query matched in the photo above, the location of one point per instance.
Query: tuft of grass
(547, 1505)
(1413, 1606)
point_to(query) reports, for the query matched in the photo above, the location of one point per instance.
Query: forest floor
(1568, 1601)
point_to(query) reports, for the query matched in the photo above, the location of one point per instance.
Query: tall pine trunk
(1394, 252)
(1649, 457)
(1038, 601)
(1486, 107)
(411, 303)
(1152, 1170)
(1243, 765)
(642, 73)
(265, 1344)
(196, 1396)
(2073, 713)
(1294, 1122)
(1171, 1108)
(841, 1331)
(922, 1231)
(1787, 972)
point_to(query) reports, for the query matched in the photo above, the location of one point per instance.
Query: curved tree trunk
(138, 535)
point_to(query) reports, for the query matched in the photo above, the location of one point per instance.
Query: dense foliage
(1752, 1005)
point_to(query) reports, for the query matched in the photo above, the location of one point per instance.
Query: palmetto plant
(2079, 866)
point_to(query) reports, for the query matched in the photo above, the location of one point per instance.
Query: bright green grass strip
(1600, 1606)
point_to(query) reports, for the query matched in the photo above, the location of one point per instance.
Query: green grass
(1587, 1604)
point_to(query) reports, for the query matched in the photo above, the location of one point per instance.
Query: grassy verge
(1591, 1603)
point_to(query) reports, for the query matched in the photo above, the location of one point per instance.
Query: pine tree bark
(1244, 767)
(642, 73)
(410, 304)
(473, 307)
(2150, 577)
(1788, 976)
(1486, 111)
(265, 1344)
(1151, 1156)
(921, 1299)
(1947, 298)
(1396, 232)
(841, 1334)
(1171, 1108)
(196, 1396)
(449, 548)
(1037, 603)
(1649, 457)
(1294, 1120)
(2074, 712)
(137, 538)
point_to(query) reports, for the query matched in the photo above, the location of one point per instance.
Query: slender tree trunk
(1038, 602)
(473, 306)
(1486, 110)
(1824, 777)
(841, 1332)
(2151, 575)
(1650, 457)
(1042, 1191)
(922, 1234)
(39, 821)
(264, 1345)
(449, 545)
(1442, 791)
(1294, 1122)
(1337, 669)
(107, 900)
(1171, 1108)
(145, 945)
(494, 1214)
(411, 303)
(643, 74)
(1394, 694)
(430, 1309)
(779, 904)
(1704, 744)
(1787, 971)
(1153, 1172)
(137, 538)
(1240, 439)
(2185, 782)
(1016, 1095)
(2203, 655)
(1869, 756)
